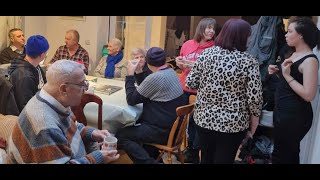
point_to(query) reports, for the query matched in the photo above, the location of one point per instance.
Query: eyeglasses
(85, 84)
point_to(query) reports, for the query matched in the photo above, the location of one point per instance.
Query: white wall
(93, 31)
(34, 25)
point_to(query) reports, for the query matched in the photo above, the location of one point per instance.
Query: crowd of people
(216, 67)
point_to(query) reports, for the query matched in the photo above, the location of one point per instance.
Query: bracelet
(291, 81)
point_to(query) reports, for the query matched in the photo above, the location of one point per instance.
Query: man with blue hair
(25, 73)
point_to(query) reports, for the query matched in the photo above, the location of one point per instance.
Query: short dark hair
(309, 31)
(13, 30)
(234, 35)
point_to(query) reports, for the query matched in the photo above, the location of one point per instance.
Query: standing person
(46, 132)
(161, 94)
(298, 77)
(72, 50)
(26, 75)
(229, 98)
(16, 47)
(191, 50)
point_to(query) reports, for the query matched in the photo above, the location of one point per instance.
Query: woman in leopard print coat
(229, 95)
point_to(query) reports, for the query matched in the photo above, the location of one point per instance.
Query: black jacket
(8, 104)
(25, 80)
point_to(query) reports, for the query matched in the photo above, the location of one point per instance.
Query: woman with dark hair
(189, 53)
(229, 95)
(298, 77)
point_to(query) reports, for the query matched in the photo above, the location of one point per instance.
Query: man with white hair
(46, 132)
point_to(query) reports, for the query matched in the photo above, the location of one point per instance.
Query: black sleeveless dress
(292, 117)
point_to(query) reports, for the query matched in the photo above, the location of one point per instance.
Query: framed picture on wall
(76, 18)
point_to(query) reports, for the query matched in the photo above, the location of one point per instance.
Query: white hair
(136, 51)
(61, 71)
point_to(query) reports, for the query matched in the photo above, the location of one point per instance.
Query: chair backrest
(192, 99)
(78, 110)
(178, 129)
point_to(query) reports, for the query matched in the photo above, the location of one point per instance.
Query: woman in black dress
(296, 89)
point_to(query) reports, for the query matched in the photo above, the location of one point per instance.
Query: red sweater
(191, 50)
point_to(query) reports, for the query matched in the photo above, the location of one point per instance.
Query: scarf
(111, 62)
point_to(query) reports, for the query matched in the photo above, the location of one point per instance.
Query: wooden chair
(78, 110)
(192, 100)
(171, 66)
(177, 134)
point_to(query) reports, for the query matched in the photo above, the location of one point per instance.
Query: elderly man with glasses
(46, 131)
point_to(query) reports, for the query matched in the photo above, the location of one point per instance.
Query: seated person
(16, 47)
(46, 132)
(26, 76)
(72, 50)
(160, 93)
(104, 51)
(142, 70)
(112, 66)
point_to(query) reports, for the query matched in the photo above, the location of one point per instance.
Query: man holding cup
(46, 132)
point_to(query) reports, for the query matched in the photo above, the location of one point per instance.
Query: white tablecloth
(116, 113)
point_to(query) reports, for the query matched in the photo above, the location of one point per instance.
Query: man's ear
(63, 90)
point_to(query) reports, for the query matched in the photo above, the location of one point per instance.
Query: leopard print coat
(229, 89)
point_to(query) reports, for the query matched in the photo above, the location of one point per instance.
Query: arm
(309, 69)
(4, 57)
(194, 76)
(26, 89)
(133, 96)
(85, 61)
(254, 95)
(55, 57)
(99, 71)
(51, 146)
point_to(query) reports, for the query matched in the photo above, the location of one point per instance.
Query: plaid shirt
(80, 56)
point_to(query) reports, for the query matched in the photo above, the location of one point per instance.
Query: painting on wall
(76, 18)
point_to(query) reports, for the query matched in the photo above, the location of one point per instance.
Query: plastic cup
(134, 61)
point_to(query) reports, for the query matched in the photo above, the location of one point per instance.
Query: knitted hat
(156, 57)
(36, 45)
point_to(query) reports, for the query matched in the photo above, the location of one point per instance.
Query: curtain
(7, 23)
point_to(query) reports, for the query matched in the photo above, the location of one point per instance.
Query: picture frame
(75, 18)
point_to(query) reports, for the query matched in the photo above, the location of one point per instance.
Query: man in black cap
(160, 93)
(25, 73)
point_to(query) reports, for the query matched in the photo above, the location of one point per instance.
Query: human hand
(139, 68)
(272, 69)
(286, 67)
(109, 155)
(132, 66)
(179, 62)
(99, 135)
